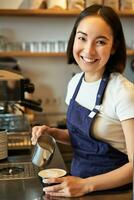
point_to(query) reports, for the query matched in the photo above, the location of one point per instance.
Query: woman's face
(93, 46)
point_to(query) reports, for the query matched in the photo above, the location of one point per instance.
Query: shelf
(130, 52)
(38, 12)
(51, 12)
(126, 13)
(31, 54)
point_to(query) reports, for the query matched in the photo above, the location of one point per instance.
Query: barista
(100, 117)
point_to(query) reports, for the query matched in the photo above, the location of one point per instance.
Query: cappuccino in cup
(51, 173)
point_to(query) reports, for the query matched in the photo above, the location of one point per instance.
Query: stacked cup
(3, 144)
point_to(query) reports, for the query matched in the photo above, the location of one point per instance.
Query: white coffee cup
(51, 173)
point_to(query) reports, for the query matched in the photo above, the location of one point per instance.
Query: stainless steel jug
(44, 150)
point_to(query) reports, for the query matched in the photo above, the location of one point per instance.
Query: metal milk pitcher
(44, 150)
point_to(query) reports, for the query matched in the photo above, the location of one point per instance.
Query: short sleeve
(69, 95)
(125, 100)
(72, 86)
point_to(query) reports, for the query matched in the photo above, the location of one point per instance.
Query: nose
(90, 49)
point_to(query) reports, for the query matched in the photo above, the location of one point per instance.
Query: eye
(81, 38)
(101, 42)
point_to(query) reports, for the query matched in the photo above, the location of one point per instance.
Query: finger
(35, 134)
(53, 180)
(34, 130)
(53, 188)
(57, 194)
(34, 139)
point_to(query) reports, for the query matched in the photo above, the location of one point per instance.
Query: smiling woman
(100, 116)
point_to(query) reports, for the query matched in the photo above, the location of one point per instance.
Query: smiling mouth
(88, 60)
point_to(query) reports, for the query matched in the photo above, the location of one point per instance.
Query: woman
(100, 117)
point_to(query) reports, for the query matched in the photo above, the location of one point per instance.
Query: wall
(128, 27)
(51, 74)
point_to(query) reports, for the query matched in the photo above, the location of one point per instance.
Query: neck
(92, 77)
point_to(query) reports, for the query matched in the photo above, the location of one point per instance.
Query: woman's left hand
(68, 186)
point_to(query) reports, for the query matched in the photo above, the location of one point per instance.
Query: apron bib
(91, 156)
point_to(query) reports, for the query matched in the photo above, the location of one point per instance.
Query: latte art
(52, 173)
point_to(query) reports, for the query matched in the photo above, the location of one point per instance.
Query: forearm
(61, 135)
(115, 178)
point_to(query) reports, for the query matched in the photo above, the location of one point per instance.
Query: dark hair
(117, 61)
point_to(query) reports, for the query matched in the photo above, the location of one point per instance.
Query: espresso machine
(12, 97)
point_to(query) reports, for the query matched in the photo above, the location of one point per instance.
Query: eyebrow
(101, 36)
(81, 33)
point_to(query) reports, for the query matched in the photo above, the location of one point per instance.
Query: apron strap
(78, 87)
(100, 95)
(101, 89)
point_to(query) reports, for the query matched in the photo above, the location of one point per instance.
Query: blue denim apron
(91, 156)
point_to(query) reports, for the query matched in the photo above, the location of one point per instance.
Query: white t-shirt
(117, 105)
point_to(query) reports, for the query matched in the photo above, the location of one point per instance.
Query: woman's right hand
(37, 131)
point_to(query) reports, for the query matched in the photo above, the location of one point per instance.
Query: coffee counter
(31, 189)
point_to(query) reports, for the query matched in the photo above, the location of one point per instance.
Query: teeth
(90, 60)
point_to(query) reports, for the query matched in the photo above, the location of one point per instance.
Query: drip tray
(10, 171)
